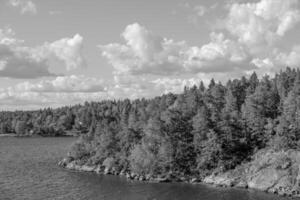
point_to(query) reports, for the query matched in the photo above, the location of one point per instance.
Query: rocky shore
(269, 171)
(70, 164)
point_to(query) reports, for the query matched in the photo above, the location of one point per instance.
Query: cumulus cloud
(19, 61)
(277, 60)
(146, 53)
(220, 55)
(64, 90)
(262, 23)
(25, 6)
(246, 42)
(68, 50)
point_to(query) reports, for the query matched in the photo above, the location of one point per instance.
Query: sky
(65, 52)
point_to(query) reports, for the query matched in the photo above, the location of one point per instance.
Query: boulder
(98, 169)
(241, 184)
(106, 171)
(87, 168)
(220, 180)
(65, 161)
(265, 179)
(194, 180)
(122, 172)
(142, 178)
(161, 179)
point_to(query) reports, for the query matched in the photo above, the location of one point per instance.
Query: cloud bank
(249, 38)
(25, 6)
(20, 61)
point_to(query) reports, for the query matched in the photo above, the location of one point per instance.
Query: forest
(202, 130)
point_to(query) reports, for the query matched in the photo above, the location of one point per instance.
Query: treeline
(202, 130)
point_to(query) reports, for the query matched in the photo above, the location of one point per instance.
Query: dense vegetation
(202, 130)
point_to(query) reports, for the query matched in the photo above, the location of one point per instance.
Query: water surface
(28, 171)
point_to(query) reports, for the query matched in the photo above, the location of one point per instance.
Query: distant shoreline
(8, 135)
(32, 136)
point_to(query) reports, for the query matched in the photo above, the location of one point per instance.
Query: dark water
(28, 170)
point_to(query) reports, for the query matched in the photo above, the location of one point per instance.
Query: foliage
(197, 132)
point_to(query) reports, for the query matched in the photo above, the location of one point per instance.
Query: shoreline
(33, 136)
(220, 180)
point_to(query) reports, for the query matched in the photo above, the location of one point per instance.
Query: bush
(142, 161)
(80, 149)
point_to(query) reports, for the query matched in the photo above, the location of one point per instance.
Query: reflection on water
(28, 170)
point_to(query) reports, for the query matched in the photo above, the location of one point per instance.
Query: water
(28, 170)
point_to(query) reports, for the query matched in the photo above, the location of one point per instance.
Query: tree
(178, 130)
(20, 128)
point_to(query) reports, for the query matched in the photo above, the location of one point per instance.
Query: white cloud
(200, 10)
(251, 32)
(220, 55)
(68, 50)
(278, 60)
(19, 61)
(146, 53)
(67, 90)
(25, 6)
(292, 58)
(65, 84)
(262, 23)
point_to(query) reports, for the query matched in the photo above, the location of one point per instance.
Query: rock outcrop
(269, 171)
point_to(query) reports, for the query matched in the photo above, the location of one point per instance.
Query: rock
(133, 175)
(65, 161)
(142, 178)
(182, 178)
(107, 171)
(128, 176)
(242, 184)
(286, 164)
(72, 165)
(98, 169)
(161, 179)
(122, 172)
(87, 168)
(283, 186)
(265, 179)
(194, 180)
(219, 180)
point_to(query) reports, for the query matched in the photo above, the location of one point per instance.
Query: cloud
(55, 12)
(277, 60)
(70, 90)
(68, 50)
(25, 6)
(262, 23)
(200, 10)
(193, 13)
(130, 86)
(146, 53)
(245, 42)
(19, 61)
(64, 90)
(220, 55)
(65, 84)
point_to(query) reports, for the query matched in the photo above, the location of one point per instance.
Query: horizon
(197, 84)
(62, 53)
